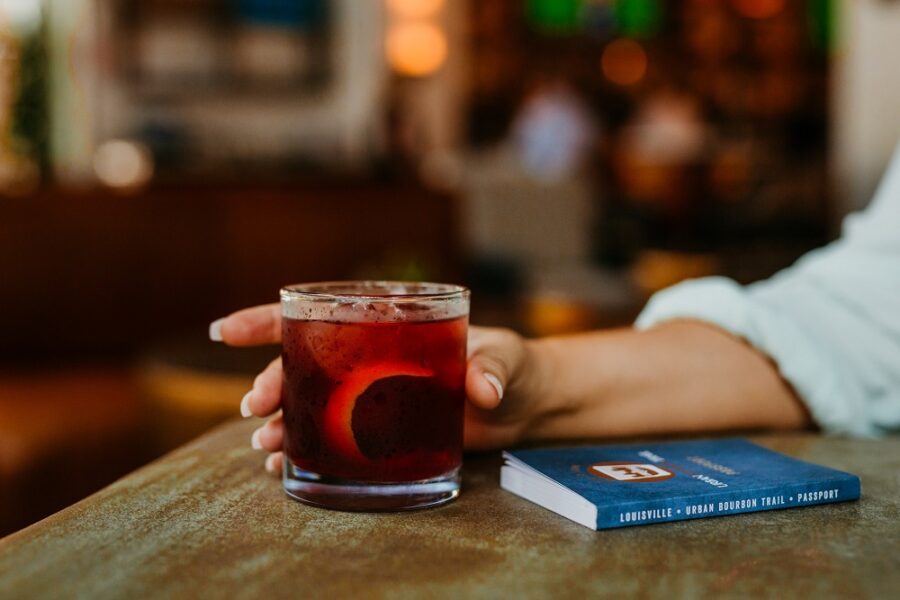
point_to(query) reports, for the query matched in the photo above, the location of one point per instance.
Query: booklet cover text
(604, 487)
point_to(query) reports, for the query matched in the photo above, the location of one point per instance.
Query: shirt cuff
(809, 369)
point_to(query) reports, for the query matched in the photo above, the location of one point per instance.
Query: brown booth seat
(101, 278)
(63, 434)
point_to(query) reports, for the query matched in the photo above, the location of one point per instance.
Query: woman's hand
(679, 377)
(502, 382)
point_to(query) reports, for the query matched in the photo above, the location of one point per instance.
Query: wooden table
(207, 522)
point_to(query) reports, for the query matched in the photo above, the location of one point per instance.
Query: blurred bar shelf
(179, 257)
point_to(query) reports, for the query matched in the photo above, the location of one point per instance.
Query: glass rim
(319, 291)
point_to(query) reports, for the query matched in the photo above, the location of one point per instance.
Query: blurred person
(818, 344)
(553, 131)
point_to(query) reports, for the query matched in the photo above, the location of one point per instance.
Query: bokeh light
(414, 9)
(416, 49)
(624, 62)
(123, 164)
(23, 15)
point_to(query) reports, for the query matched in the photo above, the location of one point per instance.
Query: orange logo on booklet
(629, 472)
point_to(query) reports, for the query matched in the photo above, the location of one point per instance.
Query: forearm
(682, 376)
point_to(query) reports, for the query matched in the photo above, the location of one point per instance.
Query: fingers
(274, 462)
(494, 359)
(249, 327)
(483, 389)
(270, 436)
(265, 396)
(480, 433)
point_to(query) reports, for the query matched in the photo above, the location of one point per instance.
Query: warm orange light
(758, 9)
(123, 164)
(414, 9)
(416, 49)
(624, 62)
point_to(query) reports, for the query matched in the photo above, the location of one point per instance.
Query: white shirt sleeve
(830, 322)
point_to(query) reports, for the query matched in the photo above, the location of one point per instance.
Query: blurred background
(165, 162)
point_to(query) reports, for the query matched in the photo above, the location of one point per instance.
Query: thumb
(494, 358)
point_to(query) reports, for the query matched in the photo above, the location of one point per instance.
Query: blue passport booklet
(603, 487)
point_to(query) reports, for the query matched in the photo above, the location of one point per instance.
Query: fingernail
(270, 464)
(215, 330)
(492, 379)
(254, 440)
(245, 405)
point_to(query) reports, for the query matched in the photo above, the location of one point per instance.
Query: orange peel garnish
(338, 413)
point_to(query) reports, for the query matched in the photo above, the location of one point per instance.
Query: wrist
(551, 394)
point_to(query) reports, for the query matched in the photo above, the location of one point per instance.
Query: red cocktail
(373, 393)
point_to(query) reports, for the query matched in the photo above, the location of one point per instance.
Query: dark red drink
(378, 401)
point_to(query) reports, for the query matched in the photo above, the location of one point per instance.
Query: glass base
(340, 494)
